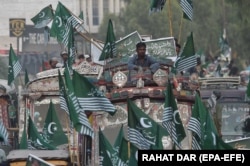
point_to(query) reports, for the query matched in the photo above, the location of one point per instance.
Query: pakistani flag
(52, 129)
(14, 66)
(171, 117)
(35, 140)
(24, 142)
(44, 17)
(187, 8)
(187, 58)
(156, 5)
(71, 47)
(204, 133)
(26, 79)
(61, 23)
(107, 154)
(105, 150)
(70, 104)
(143, 131)
(109, 49)
(89, 96)
(121, 146)
(133, 158)
(3, 134)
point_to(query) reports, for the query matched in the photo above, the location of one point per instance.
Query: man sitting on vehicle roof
(143, 60)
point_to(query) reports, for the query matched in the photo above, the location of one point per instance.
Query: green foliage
(3, 68)
(209, 19)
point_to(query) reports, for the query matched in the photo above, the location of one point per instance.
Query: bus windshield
(234, 120)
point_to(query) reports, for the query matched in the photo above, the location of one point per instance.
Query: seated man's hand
(145, 68)
(136, 68)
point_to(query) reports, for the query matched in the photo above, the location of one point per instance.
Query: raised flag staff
(187, 10)
(14, 67)
(170, 18)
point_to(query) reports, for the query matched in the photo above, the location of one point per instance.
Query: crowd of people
(141, 62)
(217, 67)
(54, 62)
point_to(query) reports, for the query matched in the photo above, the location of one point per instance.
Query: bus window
(234, 120)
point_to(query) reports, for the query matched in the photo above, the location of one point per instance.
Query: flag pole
(76, 151)
(179, 37)
(170, 18)
(84, 29)
(68, 133)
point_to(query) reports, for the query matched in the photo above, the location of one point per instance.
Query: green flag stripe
(167, 122)
(30, 146)
(195, 144)
(187, 8)
(96, 104)
(195, 126)
(137, 138)
(63, 104)
(187, 63)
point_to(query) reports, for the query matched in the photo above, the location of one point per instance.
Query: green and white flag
(121, 146)
(105, 150)
(44, 17)
(14, 66)
(133, 158)
(52, 129)
(3, 134)
(143, 131)
(204, 132)
(70, 104)
(89, 96)
(61, 23)
(171, 117)
(24, 141)
(187, 8)
(156, 5)
(187, 58)
(107, 154)
(109, 49)
(71, 47)
(35, 140)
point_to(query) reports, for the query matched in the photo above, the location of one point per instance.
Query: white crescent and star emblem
(59, 21)
(175, 121)
(145, 125)
(42, 14)
(38, 142)
(51, 128)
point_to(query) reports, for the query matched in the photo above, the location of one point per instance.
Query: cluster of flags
(122, 153)
(186, 6)
(75, 102)
(144, 133)
(61, 24)
(78, 95)
(51, 137)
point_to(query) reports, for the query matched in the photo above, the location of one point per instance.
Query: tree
(209, 19)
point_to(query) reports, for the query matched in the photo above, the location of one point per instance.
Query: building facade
(93, 12)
